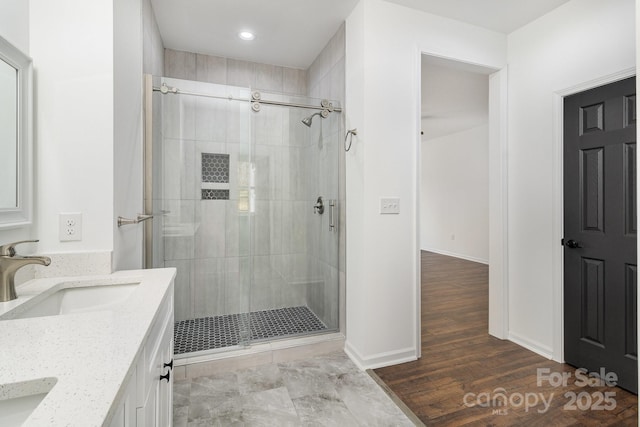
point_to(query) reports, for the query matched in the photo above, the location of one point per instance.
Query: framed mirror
(15, 136)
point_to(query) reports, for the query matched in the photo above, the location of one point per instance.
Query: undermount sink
(78, 300)
(18, 401)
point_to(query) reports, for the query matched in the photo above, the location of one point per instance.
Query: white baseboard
(534, 346)
(455, 255)
(380, 360)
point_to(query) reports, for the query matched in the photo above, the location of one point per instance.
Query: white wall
(454, 96)
(128, 130)
(71, 43)
(578, 42)
(383, 85)
(137, 49)
(454, 199)
(153, 49)
(14, 23)
(88, 119)
(14, 27)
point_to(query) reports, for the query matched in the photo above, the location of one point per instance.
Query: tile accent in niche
(215, 176)
(224, 331)
(215, 194)
(215, 167)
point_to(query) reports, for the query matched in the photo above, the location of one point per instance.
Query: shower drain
(206, 333)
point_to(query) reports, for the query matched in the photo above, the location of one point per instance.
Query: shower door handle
(332, 205)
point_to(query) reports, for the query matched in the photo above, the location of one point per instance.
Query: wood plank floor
(459, 358)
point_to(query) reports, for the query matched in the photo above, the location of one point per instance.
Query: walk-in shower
(233, 176)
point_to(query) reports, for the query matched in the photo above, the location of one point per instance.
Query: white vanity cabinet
(148, 396)
(126, 414)
(118, 354)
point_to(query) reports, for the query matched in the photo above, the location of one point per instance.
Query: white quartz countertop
(88, 355)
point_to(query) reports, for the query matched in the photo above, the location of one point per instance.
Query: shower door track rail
(256, 99)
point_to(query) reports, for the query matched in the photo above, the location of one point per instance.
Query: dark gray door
(600, 231)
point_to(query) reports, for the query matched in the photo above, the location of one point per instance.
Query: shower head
(307, 120)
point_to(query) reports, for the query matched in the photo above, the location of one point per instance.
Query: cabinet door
(148, 413)
(118, 418)
(164, 389)
(126, 413)
(130, 403)
(157, 380)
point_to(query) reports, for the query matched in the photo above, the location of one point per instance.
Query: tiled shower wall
(291, 264)
(215, 69)
(212, 254)
(326, 79)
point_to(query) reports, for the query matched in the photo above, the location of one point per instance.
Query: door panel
(631, 328)
(591, 167)
(600, 217)
(630, 209)
(593, 300)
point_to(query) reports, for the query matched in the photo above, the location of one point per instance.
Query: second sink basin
(79, 299)
(18, 401)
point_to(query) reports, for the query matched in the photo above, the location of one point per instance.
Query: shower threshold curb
(253, 355)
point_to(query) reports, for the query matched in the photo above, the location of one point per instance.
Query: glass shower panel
(236, 189)
(294, 249)
(203, 190)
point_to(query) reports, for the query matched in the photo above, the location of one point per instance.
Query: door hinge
(562, 242)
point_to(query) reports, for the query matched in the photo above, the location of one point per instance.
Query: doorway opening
(454, 183)
(454, 177)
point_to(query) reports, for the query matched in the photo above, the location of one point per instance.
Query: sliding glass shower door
(235, 187)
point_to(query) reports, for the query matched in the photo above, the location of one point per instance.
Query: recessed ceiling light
(246, 35)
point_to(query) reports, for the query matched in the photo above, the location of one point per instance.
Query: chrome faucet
(10, 263)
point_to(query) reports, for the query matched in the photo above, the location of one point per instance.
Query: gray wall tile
(210, 238)
(267, 77)
(180, 65)
(209, 287)
(240, 73)
(326, 80)
(211, 69)
(183, 301)
(294, 81)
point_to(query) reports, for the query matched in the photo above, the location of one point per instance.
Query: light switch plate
(389, 205)
(70, 227)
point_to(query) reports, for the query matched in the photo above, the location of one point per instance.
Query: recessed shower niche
(215, 176)
(235, 174)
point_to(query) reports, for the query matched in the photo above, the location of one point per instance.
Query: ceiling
(503, 16)
(292, 33)
(289, 33)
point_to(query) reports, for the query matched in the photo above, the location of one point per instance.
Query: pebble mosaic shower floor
(208, 333)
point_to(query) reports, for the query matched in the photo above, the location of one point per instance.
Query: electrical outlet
(389, 205)
(70, 227)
